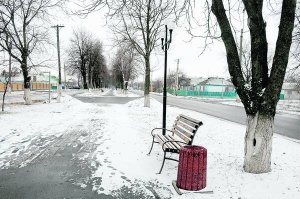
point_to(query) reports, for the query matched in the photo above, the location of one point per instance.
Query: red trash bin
(192, 168)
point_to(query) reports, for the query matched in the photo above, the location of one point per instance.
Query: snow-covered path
(107, 146)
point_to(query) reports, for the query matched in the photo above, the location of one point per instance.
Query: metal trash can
(192, 168)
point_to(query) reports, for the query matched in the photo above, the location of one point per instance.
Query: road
(285, 124)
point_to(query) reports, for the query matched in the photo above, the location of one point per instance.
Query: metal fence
(193, 93)
(203, 93)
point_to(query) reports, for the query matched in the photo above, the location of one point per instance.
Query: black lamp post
(165, 46)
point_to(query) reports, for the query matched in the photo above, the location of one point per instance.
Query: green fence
(207, 94)
(203, 93)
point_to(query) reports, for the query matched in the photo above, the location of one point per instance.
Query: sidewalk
(16, 97)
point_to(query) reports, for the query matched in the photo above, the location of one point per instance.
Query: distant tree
(125, 63)
(183, 80)
(137, 22)
(296, 39)
(85, 57)
(96, 64)
(21, 27)
(261, 95)
(78, 54)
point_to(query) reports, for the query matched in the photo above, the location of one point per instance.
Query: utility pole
(176, 80)
(9, 72)
(59, 68)
(65, 76)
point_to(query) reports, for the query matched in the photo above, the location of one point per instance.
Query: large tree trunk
(85, 86)
(147, 83)
(26, 96)
(261, 99)
(258, 144)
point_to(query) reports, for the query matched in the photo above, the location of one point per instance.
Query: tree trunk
(147, 83)
(59, 93)
(26, 96)
(85, 86)
(258, 144)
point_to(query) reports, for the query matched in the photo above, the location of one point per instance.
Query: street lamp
(165, 46)
(49, 82)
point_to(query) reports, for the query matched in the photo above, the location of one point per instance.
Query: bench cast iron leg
(162, 163)
(151, 146)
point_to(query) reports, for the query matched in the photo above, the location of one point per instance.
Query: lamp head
(162, 35)
(166, 21)
(171, 26)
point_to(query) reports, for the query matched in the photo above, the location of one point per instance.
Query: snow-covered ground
(122, 136)
(94, 93)
(115, 93)
(283, 106)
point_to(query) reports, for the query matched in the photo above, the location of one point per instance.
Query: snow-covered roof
(196, 80)
(290, 86)
(216, 81)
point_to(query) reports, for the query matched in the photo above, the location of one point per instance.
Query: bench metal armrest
(159, 128)
(171, 142)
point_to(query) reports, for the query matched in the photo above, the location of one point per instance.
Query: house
(215, 84)
(192, 84)
(291, 91)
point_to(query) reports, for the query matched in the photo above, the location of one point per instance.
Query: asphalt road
(285, 124)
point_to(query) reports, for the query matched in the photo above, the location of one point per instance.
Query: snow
(121, 134)
(283, 106)
(96, 93)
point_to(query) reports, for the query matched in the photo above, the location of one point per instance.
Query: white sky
(211, 63)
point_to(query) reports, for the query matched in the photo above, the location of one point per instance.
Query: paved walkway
(16, 97)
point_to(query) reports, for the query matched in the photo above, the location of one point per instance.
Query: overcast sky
(211, 63)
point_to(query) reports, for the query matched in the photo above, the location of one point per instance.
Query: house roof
(196, 80)
(215, 81)
(290, 86)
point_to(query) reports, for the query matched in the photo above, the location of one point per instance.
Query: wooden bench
(184, 128)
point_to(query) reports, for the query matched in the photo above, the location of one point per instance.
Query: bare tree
(96, 65)
(296, 40)
(137, 22)
(78, 54)
(100, 71)
(85, 57)
(261, 95)
(126, 61)
(21, 25)
(183, 80)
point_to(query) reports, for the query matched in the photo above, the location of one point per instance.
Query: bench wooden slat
(178, 145)
(163, 139)
(159, 139)
(187, 127)
(179, 134)
(183, 131)
(188, 122)
(191, 119)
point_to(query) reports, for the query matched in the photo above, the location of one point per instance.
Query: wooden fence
(19, 86)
